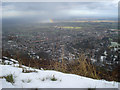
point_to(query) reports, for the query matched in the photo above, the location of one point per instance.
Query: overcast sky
(59, 10)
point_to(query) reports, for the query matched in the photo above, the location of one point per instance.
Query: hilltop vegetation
(13, 76)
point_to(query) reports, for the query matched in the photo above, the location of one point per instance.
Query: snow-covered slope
(48, 79)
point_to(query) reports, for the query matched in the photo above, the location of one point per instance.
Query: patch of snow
(5, 57)
(105, 53)
(102, 58)
(14, 60)
(37, 57)
(93, 60)
(10, 41)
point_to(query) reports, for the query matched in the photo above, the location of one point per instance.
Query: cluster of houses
(60, 43)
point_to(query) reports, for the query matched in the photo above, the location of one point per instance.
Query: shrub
(53, 78)
(9, 78)
(43, 79)
(26, 81)
(3, 62)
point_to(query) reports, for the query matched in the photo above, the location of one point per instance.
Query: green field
(70, 27)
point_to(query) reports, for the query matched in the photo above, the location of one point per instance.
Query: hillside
(14, 75)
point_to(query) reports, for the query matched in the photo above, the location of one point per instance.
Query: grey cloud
(44, 11)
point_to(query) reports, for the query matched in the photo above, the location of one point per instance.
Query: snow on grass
(48, 79)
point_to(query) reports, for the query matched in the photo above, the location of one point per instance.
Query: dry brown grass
(83, 67)
(60, 66)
